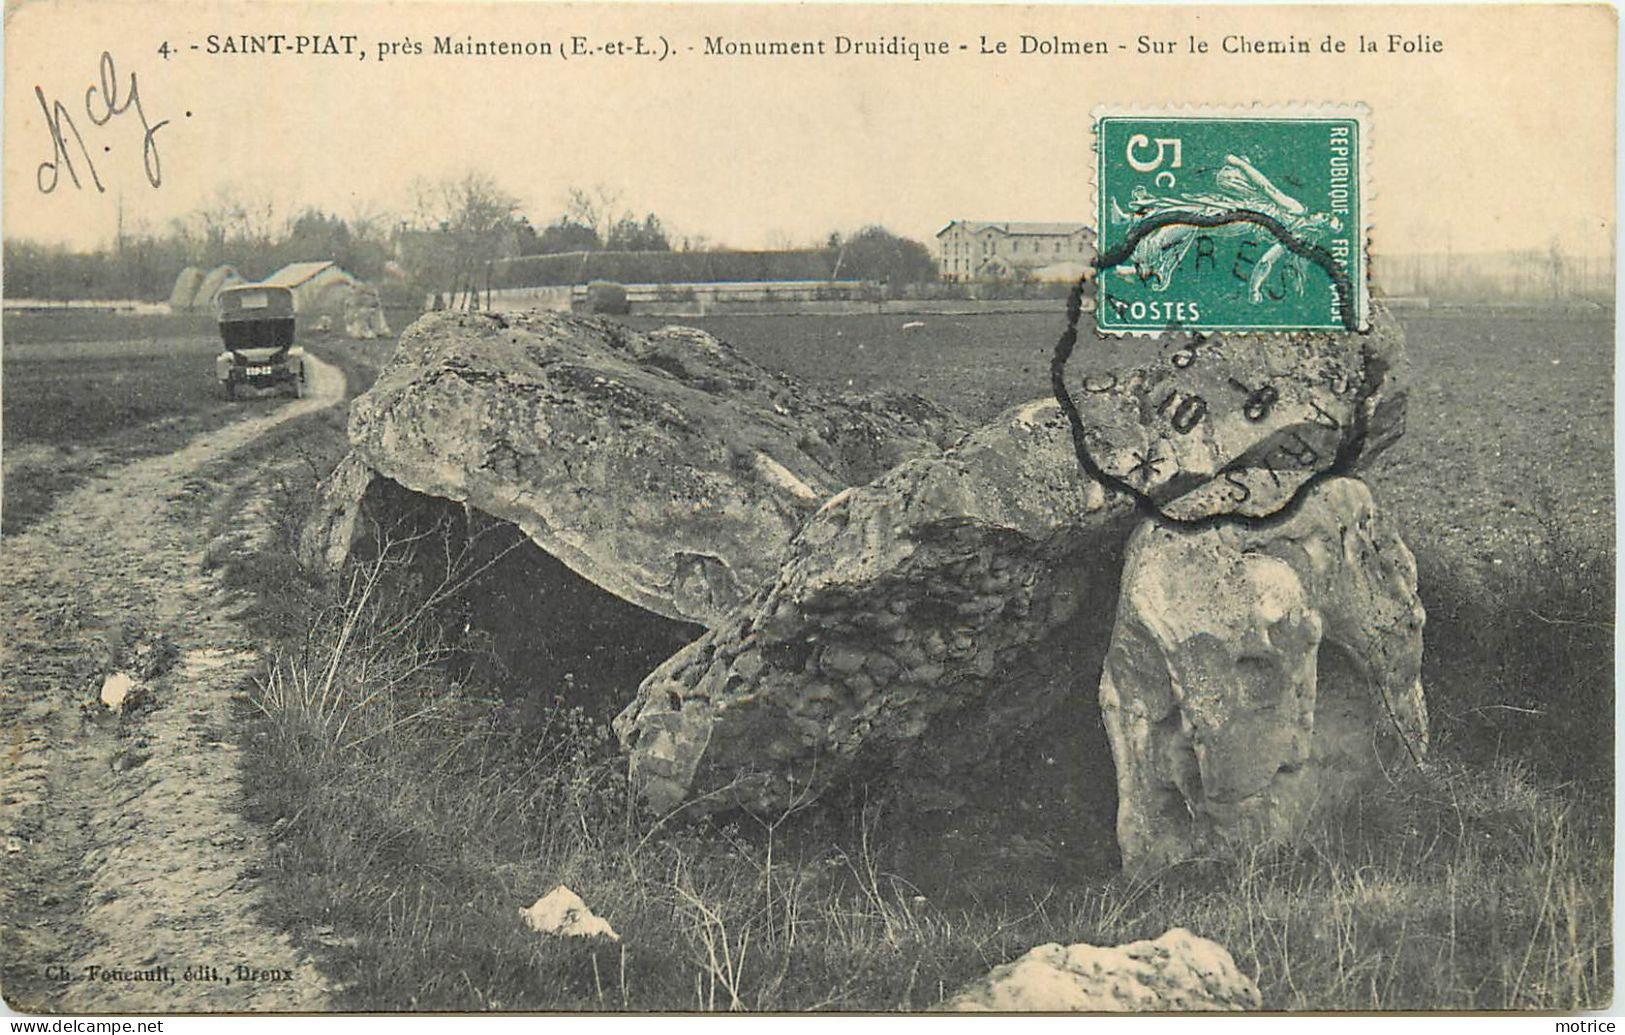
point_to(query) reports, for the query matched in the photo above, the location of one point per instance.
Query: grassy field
(82, 390)
(78, 391)
(412, 816)
(977, 365)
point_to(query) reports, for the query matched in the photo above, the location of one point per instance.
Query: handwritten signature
(103, 102)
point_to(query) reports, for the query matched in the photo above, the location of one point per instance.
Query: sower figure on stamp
(1241, 186)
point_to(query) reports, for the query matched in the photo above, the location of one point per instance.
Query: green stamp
(1221, 222)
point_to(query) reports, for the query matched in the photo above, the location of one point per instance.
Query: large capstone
(662, 467)
(1257, 674)
(920, 626)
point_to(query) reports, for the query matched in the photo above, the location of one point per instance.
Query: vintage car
(257, 329)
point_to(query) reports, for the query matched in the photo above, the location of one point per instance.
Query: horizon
(712, 245)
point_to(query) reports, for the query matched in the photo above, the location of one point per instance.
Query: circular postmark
(1202, 426)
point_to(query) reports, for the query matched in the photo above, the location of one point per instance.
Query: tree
(1557, 268)
(593, 209)
(140, 266)
(370, 223)
(236, 226)
(317, 235)
(526, 236)
(875, 253)
(630, 235)
(590, 221)
(567, 235)
(470, 221)
(233, 228)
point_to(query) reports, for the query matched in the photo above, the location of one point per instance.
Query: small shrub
(607, 297)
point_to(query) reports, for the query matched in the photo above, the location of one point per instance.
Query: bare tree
(597, 208)
(467, 221)
(369, 221)
(236, 225)
(1557, 268)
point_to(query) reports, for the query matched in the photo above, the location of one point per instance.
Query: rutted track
(121, 841)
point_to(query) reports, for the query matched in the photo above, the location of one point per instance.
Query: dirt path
(121, 841)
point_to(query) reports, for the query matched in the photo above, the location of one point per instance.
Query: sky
(1502, 140)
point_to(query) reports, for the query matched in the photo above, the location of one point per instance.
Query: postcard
(796, 508)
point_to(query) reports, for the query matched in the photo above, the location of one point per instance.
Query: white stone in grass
(116, 690)
(1177, 973)
(561, 912)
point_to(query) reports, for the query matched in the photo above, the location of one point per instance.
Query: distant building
(972, 250)
(668, 267)
(318, 287)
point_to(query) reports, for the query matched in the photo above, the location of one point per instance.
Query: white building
(973, 250)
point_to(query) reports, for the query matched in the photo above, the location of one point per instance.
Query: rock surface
(1178, 972)
(333, 523)
(664, 467)
(1205, 425)
(1256, 674)
(919, 625)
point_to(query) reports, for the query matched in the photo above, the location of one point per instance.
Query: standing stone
(1258, 673)
(364, 313)
(333, 523)
(1178, 972)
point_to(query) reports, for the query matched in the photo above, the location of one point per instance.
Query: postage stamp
(1237, 221)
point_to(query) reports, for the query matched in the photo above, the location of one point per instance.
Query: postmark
(1231, 221)
(1237, 359)
(1205, 426)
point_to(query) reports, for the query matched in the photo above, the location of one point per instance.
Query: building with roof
(668, 267)
(975, 250)
(318, 287)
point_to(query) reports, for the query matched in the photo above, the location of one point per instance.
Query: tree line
(446, 243)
